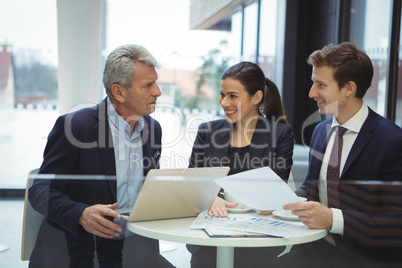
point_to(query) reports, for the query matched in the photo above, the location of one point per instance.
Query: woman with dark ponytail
(255, 134)
(272, 102)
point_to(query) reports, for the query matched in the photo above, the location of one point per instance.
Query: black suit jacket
(370, 190)
(80, 143)
(272, 143)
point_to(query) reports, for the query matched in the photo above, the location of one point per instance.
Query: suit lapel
(362, 139)
(316, 156)
(105, 144)
(146, 147)
(259, 141)
(318, 150)
(151, 150)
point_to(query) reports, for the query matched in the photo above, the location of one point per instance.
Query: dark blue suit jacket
(81, 143)
(372, 211)
(272, 143)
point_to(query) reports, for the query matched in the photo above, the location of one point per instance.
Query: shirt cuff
(337, 222)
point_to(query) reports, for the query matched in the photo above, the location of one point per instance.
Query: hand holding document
(259, 188)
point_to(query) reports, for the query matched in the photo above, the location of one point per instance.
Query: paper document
(247, 226)
(259, 188)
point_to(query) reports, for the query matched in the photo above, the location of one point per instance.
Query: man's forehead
(144, 70)
(323, 70)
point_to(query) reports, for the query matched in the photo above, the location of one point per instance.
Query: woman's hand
(218, 208)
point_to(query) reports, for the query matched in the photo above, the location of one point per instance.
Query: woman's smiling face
(237, 104)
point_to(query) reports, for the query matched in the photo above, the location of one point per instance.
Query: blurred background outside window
(192, 56)
(191, 64)
(372, 36)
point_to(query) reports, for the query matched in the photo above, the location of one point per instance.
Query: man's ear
(258, 97)
(118, 93)
(351, 88)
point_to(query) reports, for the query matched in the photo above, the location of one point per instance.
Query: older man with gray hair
(117, 137)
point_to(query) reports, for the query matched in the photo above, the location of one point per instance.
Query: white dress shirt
(128, 159)
(353, 126)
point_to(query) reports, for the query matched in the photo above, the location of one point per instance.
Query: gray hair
(120, 65)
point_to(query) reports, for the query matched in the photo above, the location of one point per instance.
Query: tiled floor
(11, 230)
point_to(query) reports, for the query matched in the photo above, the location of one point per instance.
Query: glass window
(272, 30)
(236, 35)
(29, 107)
(398, 116)
(28, 86)
(372, 35)
(250, 32)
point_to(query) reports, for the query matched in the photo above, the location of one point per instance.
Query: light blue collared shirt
(128, 159)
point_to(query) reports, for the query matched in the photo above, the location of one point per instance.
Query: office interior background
(51, 62)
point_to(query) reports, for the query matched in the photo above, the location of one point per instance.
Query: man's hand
(218, 208)
(312, 214)
(93, 220)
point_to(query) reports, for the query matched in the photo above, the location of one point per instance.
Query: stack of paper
(246, 226)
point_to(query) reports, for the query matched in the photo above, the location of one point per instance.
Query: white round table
(178, 230)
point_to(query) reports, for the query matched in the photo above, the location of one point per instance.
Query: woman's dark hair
(253, 79)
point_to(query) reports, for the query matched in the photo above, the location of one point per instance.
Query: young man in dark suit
(355, 171)
(117, 137)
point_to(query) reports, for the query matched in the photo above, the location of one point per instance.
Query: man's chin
(329, 109)
(151, 110)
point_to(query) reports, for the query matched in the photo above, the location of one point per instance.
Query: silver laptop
(176, 193)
